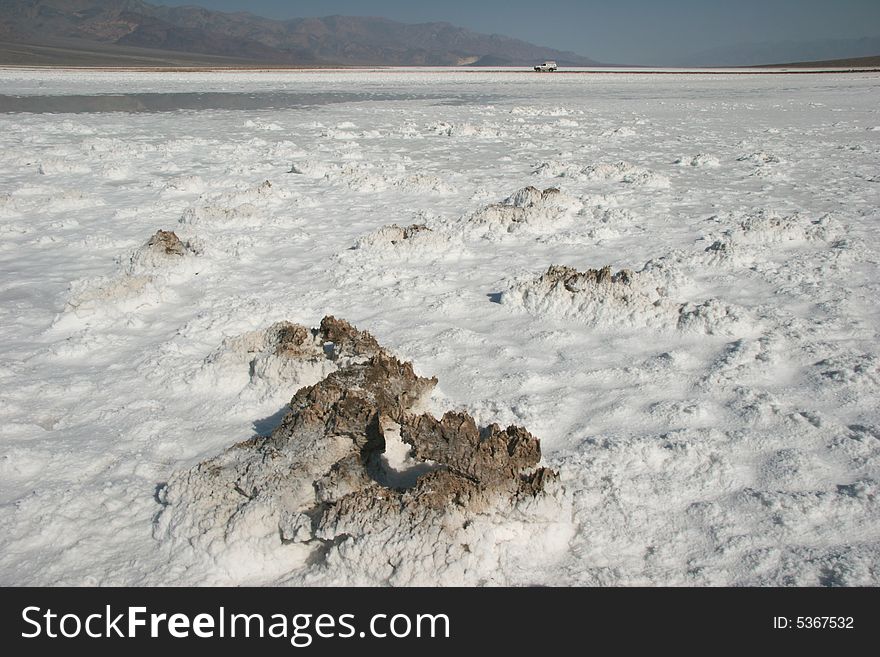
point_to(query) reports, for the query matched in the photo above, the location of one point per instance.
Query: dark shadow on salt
(267, 425)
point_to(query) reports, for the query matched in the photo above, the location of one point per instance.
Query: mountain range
(781, 52)
(131, 32)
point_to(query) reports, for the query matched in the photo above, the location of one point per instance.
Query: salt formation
(556, 169)
(631, 299)
(711, 316)
(163, 249)
(354, 479)
(395, 237)
(187, 184)
(758, 231)
(699, 160)
(123, 292)
(423, 182)
(51, 166)
(624, 172)
(444, 129)
(367, 181)
(245, 214)
(313, 168)
(621, 171)
(167, 242)
(44, 199)
(285, 354)
(532, 111)
(527, 207)
(767, 227)
(760, 158)
(859, 371)
(139, 281)
(597, 296)
(236, 208)
(396, 247)
(372, 177)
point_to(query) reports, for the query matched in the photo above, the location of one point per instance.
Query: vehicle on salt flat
(547, 67)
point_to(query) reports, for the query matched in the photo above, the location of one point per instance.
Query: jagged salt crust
(360, 487)
(394, 239)
(283, 355)
(122, 293)
(699, 160)
(164, 250)
(239, 207)
(750, 236)
(369, 177)
(444, 129)
(626, 299)
(527, 208)
(621, 172)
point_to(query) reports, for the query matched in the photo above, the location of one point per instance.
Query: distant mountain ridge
(769, 53)
(850, 62)
(117, 25)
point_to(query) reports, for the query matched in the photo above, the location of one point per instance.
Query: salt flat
(713, 413)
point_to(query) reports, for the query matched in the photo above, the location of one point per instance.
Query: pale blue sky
(649, 32)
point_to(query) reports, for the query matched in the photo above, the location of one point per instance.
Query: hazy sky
(617, 31)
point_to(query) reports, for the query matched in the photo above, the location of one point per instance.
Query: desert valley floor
(711, 403)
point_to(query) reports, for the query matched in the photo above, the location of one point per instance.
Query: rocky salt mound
(395, 238)
(246, 214)
(767, 228)
(371, 181)
(163, 250)
(760, 158)
(761, 231)
(364, 489)
(698, 160)
(626, 299)
(284, 354)
(597, 296)
(372, 177)
(398, 248)
(527, 208)
(466, 130)
(619, 172)
(140, 280)
(105, 293)
(238, 207)
(625, 172)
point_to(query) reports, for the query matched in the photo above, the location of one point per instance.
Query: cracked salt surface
(728, 435)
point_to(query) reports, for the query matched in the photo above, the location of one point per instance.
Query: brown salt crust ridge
(743, 240)
(333, 340)
(531, 196)
(162, 249)
(137, 276)
(284, 356)
(526, 205)
(407, 232)
(638, 296)
(575, 281)
(321, 472)
(525, 199)
(628, 285)
(392, 234)
(168, 242)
